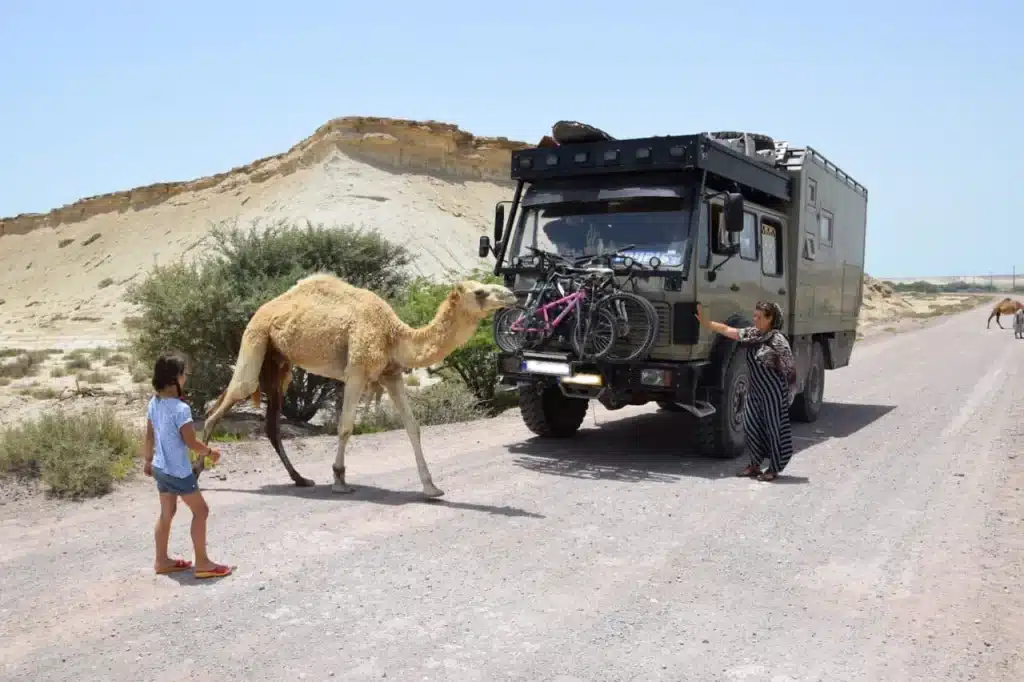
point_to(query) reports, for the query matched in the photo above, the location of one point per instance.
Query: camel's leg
(998, 322)
(234, 394)
(355, 384)
(400, 399)
(271, 381)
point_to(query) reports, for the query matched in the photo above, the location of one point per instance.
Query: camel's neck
(428, 345)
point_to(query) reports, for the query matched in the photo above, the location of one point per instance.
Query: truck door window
(771, 247)
(748, 237)
(825, 229)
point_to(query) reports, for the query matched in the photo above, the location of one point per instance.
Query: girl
(169, 436)
(772, 382)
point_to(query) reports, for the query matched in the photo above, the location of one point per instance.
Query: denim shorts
(166, 483)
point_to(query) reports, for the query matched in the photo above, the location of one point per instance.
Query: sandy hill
(428, 185)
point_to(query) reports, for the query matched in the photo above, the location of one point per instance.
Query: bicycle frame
(572, 304)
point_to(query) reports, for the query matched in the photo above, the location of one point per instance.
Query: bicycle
(519, 325)
(632, 311)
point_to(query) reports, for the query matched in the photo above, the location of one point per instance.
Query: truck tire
(548, 413)
(807, 405)
(721, 435)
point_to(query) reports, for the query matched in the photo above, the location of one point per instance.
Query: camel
(1007, 306)
(331, 328)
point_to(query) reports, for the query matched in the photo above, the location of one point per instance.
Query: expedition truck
(721, 219)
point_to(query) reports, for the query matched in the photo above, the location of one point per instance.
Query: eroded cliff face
(416, 146)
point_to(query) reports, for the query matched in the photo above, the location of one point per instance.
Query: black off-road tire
(807, 404)
(548, 413)
(721, 435)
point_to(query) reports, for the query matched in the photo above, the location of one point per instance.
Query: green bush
(201, 309)
(473, 363)
(77, 456)
(440, 403)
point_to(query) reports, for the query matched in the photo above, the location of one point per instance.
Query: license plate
(546, 367)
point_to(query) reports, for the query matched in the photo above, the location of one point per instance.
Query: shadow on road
(374, 495)
(658, 447)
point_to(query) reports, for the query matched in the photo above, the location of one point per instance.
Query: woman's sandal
(768, 476)
(751, 470)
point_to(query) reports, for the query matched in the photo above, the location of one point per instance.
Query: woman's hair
(166, 371)
(773, 311)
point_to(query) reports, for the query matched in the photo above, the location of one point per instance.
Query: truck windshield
(656, 226)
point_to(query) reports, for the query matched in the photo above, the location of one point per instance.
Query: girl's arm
(717, 327)
(148, 442)
(188, 433)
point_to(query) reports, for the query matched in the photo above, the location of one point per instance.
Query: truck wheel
(807, 404)
(548, 413)
(721, 435)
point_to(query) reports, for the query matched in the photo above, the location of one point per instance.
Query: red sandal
(218, 571)
(177, 566)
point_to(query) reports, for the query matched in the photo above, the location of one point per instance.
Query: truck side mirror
(733, 212)
(499, 221)
(485, 246)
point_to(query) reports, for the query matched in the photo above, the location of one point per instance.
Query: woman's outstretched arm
(717, 327)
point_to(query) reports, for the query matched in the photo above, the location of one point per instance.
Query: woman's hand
(147, 468)
(700, 316)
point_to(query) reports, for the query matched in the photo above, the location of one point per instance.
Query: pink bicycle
(522, 326)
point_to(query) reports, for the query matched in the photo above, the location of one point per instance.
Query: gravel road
(892, 550)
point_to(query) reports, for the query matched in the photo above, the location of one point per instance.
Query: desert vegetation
(200, 309)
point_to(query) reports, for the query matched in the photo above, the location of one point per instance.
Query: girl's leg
(162, 534)
(200, 514)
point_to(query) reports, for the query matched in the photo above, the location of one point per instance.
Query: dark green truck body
(799, 223)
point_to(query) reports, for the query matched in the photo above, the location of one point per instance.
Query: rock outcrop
(416, 146)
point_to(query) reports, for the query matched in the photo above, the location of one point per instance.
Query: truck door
(737, 286)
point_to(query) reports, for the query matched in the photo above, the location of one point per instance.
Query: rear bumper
(670, 381)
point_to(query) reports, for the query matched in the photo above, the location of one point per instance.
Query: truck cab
(719, 219)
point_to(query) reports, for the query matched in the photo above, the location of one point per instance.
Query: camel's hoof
(342, 489)
(304, 482)
(433, 491)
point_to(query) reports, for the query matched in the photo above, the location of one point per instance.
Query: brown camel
(1007, 306)
(333, 329)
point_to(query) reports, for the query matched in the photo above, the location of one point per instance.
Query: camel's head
(479, 299)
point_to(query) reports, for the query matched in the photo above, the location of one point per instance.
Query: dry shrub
(77, 456)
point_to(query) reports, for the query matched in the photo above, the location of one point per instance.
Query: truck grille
(664, 337)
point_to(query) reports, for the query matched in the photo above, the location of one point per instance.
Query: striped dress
(772, 379)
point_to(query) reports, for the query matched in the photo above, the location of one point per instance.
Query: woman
(772, 383)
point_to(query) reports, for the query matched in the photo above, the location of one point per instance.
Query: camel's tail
(245, 381)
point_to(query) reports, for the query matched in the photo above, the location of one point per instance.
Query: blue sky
(919, 102)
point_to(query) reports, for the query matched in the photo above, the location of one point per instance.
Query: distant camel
(1007, 306)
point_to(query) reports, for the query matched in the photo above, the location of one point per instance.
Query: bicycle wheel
(509, 340)
(593, 335)
(636, 325)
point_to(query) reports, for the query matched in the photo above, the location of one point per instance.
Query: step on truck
(721, 219)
